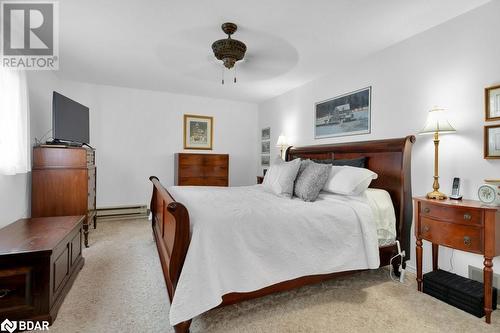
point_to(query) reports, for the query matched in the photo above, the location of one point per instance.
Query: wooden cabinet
(462, 225)
(39, 260)
(64, 184)
(202, 169)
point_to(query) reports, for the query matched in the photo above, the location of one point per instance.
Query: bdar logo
(8, 326)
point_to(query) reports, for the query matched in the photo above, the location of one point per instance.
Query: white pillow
(349, 180)
(281, 176)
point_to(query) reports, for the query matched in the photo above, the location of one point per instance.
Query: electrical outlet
(477, 275)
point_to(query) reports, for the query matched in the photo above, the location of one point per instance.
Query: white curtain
(14, 131)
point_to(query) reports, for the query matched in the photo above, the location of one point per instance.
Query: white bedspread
(244, 239)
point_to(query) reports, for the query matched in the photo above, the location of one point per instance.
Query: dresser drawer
(216, 181)
(215, 171)
(452, 214)
(194, 170)
(191, 181)
(190, 159)
(457, 236)
(215, 160)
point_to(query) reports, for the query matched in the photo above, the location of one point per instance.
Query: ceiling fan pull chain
(222, 75)
(234, 74)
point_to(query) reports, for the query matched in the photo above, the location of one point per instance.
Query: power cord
(401, 254)
(38, 142)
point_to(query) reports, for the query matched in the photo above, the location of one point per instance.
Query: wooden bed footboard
(171, 232)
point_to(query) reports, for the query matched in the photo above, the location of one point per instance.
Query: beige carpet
(121, 289)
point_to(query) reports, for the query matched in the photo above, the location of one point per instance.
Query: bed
(209, 254)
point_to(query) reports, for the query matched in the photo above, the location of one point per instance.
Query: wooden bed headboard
(390, 159)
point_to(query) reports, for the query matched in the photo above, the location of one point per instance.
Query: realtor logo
(8, 326)
(29, 38)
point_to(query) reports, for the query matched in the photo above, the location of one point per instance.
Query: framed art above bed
(348, 114)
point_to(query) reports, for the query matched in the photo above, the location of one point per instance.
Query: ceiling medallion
(229, 50)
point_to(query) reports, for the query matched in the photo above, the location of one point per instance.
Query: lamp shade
(282, 141)
(437, 121)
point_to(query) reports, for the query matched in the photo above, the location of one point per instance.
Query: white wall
(448, 65)
(136, 133)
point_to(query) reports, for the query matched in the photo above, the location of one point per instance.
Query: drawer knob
(427, 228)
(467, 241)
(427, 210)
(467, 217)
(4, 292)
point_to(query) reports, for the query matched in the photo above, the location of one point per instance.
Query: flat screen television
(70, 120)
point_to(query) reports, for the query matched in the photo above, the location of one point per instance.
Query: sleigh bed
(172, 229)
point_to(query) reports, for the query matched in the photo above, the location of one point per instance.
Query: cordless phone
(455, 191)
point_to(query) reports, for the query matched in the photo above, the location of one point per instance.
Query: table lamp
(282, 143)
(437, 123)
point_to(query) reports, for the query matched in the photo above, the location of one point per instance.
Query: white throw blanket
(244, 239)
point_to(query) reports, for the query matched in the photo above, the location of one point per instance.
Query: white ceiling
(166, 45)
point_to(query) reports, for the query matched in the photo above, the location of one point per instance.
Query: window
(13, 122)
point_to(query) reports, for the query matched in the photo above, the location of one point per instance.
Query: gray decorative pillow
(312, 179)
(303, 165)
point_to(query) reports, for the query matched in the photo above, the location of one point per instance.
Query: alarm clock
(489, 194)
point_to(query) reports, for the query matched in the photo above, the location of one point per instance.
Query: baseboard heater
(122, 212)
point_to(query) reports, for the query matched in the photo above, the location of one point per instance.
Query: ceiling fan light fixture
(229, 50)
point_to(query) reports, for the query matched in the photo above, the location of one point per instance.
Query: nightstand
(260, 179)
(464, 225)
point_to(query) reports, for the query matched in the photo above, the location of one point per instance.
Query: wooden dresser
(64, 183)
(39, 260)
(202, 169)
(464, 225)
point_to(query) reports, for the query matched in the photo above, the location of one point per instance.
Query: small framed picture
(266, 133)
(198, 132)
(492, 103)
(265, 159)
(492, 142)
(266, 147)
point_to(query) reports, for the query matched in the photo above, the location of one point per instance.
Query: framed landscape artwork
(198, 132)
(492, 142)
(492, 103)
(348, 114)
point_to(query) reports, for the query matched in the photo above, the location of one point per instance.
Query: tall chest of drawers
(64, 184)
(201, 169)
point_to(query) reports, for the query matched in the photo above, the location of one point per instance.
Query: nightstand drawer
(457, 236)
(452, 214)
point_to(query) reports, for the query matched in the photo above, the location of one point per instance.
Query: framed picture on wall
(492, 103)
(265, 160)
(198, 132)
(348, 114)
(266, 133)
(266, 147)
(492, 142)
